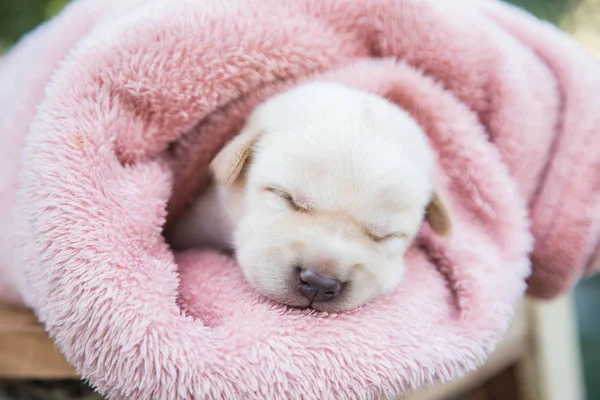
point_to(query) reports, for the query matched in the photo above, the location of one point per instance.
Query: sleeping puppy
(319, 196)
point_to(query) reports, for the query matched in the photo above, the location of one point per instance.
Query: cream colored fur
(322, 177)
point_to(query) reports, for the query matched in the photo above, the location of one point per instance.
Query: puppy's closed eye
(384, 238)
(287, 198)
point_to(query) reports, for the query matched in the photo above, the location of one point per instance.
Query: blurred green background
(19, 16)
(551, 10)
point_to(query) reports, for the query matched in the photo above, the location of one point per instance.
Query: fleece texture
(112, 111)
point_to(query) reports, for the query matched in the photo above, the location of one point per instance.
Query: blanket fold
(113, 111)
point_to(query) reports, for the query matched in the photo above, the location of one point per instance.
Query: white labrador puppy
(319, 196)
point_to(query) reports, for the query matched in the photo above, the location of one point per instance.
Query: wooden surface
(555, 354)
(26, 351)
(503, 386)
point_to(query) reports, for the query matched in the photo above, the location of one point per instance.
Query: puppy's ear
(228, 164)
(437, 215)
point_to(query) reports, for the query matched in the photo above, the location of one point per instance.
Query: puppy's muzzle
(318, 288)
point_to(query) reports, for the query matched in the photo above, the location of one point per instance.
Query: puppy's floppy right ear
(437, 215)
(228, 164)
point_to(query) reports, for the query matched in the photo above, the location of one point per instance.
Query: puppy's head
(336, 183)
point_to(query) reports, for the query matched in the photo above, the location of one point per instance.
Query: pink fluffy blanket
(100, 150)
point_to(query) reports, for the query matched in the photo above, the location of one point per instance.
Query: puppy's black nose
(317, 287)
